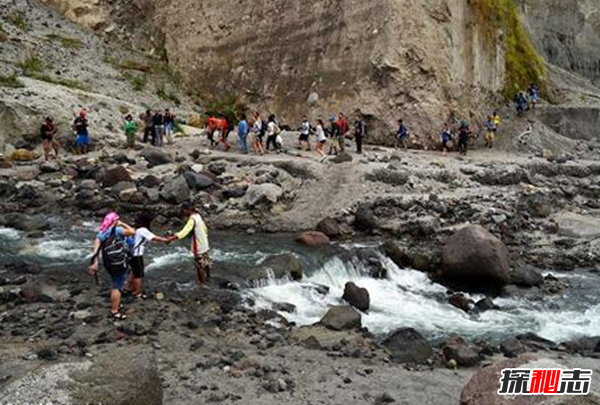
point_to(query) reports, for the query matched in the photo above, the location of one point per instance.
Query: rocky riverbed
(219, 344)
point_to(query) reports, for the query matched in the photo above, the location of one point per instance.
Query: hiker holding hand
(111, 243)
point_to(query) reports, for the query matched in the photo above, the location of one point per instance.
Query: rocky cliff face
(567, 33)
(421, 61)
(388, 59)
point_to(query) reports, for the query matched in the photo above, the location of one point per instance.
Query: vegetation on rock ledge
(523, 64)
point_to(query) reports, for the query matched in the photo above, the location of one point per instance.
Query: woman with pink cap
(111, 244)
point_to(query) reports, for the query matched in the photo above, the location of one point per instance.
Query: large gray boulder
(176, 190)
(474, 255)
(408, 346)
(156, 156)
(341, 318)
(119, 376)
(198, 181)
(259, 194)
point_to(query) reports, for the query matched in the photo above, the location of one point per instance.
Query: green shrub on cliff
(10, 81)
(523, 64)
(229, 107)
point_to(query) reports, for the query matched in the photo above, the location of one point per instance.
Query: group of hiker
(48, 131)
(262, 136)
(122, 249)
(259, 136)
(527, 100)
(158, 126)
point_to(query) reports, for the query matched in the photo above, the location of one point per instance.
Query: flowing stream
(405, 298)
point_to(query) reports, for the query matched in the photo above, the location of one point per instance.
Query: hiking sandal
(118, 316)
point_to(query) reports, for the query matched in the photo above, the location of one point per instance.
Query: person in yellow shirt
(196, 227)
(497, 119)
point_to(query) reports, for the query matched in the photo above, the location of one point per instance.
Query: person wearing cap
(47, 132)
(82, 140)
(196, 227)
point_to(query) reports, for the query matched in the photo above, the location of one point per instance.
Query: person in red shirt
(344, 126)
(224, 128)
(211, 127)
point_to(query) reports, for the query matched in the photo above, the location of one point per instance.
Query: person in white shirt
(321, 139)
(272, 132)
(142, 237)
(258, 134)
(304, 134)
(200, 248)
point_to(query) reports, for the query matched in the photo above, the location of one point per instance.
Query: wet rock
(474, 255)
(278, 267)
(49, 167)
(235, 192)
(284, 307)
(114, 176)
(458, 350)
(176, 191)
(505, 177)
(341, 318)
(357, 297)
(156, 156)
(342, 157)
(329, 227)
(538, 204)
(262, 194)
(47, 353)
(408, 346)
(526, 276)
(217, 168)
(313, 238)
(387, 176)
(27, 223)
(512, 348)
(151, 181)
(198, 181)
(460, 301)
(364, 219)
(485, 304)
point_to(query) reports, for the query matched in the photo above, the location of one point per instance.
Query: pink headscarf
(109, 221)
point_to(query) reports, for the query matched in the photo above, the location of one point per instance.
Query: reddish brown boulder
(313, 238)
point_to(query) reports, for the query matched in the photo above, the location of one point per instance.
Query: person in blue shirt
(534, 95)
(111, 243)
(243, 134)
(445, 138)
(521, 103)
(490, 134)
(402, 136)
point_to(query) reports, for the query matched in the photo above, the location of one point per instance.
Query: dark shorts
(137, 266)
(303, 138)
(203, 262)
(118, 280)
